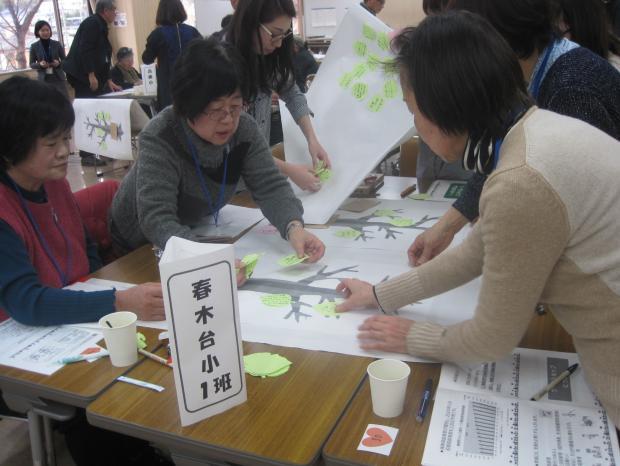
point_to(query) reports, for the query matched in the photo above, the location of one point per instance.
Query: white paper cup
(120, 339)
(388, 386)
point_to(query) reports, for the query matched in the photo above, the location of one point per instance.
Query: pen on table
(154, 357)
(83, 357)
(551, 385)
(424, 402)
(405, 192)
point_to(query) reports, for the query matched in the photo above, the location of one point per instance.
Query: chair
(409, 157)
(94, 203)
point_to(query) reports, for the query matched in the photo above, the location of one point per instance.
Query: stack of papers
(266, 364)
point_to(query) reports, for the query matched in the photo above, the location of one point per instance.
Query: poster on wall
(359, 114)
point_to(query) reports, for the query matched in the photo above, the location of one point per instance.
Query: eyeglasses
(220, 114)
(277, 37)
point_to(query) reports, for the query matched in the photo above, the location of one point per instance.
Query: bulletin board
(322, 17)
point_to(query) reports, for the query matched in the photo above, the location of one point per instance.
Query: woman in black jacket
(46, 56)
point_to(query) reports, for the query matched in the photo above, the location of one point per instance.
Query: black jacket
(37, 54)
(90, 51)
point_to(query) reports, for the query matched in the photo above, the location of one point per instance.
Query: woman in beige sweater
(549, 227)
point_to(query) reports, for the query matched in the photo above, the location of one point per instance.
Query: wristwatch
(292, 224)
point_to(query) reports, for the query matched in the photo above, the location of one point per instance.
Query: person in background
(304, 63)
(587, 24)
(46, 56)
(194, 153)
(548, 229)
(561, 76)
(166, 43)
(262, 32)
(43, 243)
(123, 73)
(228, 18)
(88, 63)
(373, 6)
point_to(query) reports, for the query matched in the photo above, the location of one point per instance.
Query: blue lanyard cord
(63, 277)
(203, 185)
(496, 148)
(540, 72)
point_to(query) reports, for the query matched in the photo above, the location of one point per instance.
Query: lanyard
(47, 53)
(64, 277)
(203, 185)
(540, 73)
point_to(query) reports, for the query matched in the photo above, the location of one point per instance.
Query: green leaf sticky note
(249, 261)
(327, 309)
(360, 90)
(320, 166)
(368, 32)
(291, 259)
(420, 196)
(359, 70)
(373, 61)
(276, 300)
(383, 41)
(348, 233)
(360, 48)
(376, 103)
(266, 364)
(324, 175)
(141, 340)
(401, 222)
(346, 80)
(390, 89)
(385, 213)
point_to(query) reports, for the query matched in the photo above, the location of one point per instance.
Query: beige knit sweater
(549, 231)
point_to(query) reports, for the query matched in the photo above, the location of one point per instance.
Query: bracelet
(374, 292)
(292, 224)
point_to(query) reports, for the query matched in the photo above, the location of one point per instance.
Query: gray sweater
(161, 195)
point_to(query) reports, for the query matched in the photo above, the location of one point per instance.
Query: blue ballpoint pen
(83, 357)
(424, 402)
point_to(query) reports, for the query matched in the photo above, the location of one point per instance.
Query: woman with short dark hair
(46, 56)
(548, 229)
(43, 243)
(262, 31)
(193, 154)
(166, 43)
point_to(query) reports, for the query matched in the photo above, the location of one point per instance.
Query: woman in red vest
(43, 243)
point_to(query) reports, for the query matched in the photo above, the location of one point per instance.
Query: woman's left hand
(56, 63)
(318, 153)
(305, 243)
(385, 333)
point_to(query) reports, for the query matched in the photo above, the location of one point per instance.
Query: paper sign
(200, 298)
(378, 439)
(149, 78)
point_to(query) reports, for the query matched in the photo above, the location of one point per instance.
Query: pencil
(554, 382)
(407, 191)
(154, 357)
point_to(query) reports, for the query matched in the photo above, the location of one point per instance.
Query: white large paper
(359, 114)
(200, 297)
(103, 127)
(293, 318)
(38, 349)
(232, 220)
(483, 415)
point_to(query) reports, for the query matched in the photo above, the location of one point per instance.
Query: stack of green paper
(249, 261)
(322, 172)
(266, 364)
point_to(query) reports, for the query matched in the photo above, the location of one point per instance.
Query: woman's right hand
(43, 64)
(303, 176)
(146, 300)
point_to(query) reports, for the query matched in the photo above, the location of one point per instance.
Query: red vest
(73, 261)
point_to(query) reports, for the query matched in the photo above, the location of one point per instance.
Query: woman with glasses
(262, 32)
(193, 154)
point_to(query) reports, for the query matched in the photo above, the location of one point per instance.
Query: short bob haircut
(38, 25)
(527, 25)
(102, 5)
(30, 110)
(170, 12)
(206, 70)
(463, 74)
(265, 72)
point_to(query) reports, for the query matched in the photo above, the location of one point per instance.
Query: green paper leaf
(360, 90)
(141, 340)
(390, 89)
(376, 103)
(401, 222)
(359, 70)
(327, 309)
(383, 41)
(420, 196)
(360, 48)
(346, 80)
(249, 261)
(368, 32)
(291, 259)
(348, 233)
(266, 364)
(276, 300)
(385, 213)
(373, 61)
(324, 175)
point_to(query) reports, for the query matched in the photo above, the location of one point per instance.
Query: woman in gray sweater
(194, 153)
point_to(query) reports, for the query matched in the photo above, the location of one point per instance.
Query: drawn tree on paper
(352, 80)
(103, 128)
(294, 290)
(392, 228)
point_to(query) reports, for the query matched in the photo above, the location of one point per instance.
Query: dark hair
(589, 25)
(30, 110)
(123, 52)
(527, 25)
(170, 12)
(206, 70)
(104, 5)
(434, 6)
(38, 25)
(265, 72)
(463, 74)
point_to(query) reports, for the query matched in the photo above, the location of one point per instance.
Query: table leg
(36, 443)
(49, 441)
